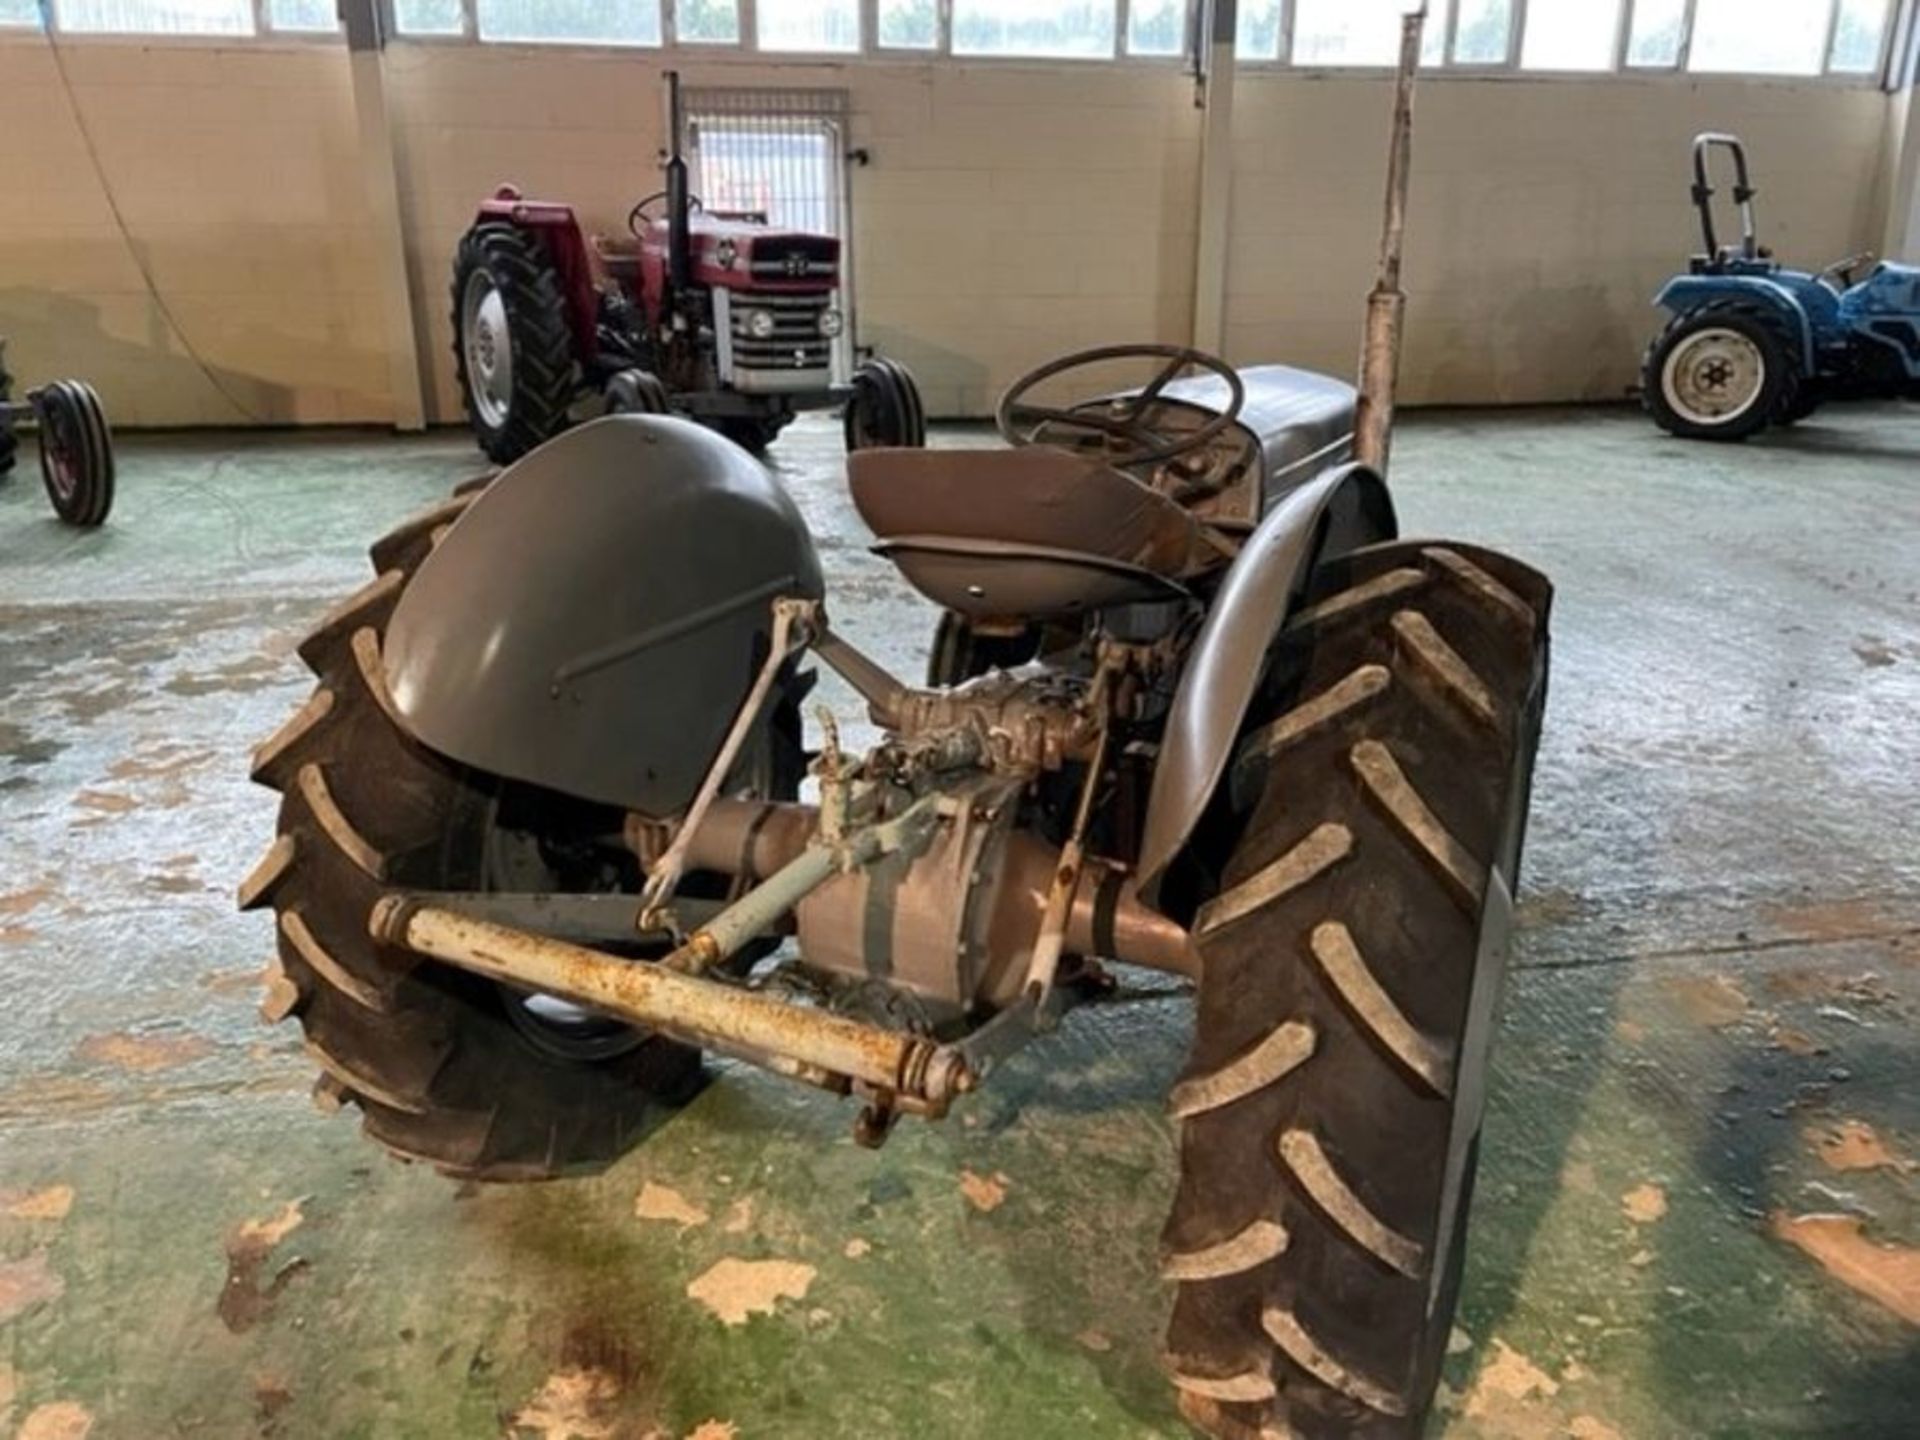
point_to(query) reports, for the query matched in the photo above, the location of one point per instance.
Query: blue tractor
(1752, 343)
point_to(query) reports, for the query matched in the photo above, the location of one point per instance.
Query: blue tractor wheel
(1719, 372)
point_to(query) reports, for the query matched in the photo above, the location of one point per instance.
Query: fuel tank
(594, 618)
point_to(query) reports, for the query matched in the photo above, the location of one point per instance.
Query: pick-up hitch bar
(914, 1073)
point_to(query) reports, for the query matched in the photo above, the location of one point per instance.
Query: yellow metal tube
(659, 997)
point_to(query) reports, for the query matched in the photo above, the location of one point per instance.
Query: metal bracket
(1044, 966)
(792, 626)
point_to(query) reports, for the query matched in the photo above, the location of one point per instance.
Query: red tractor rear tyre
(1354, 944)
(512, 348)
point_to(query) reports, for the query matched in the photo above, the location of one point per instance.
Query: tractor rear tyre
(753, 433)
(1719, 372)
(512, 348)
(885, 410)
(1354, 946)
(444, 1066)
(1804, 402)
(76, 452)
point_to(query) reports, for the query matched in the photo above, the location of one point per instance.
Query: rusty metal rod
(1044, 964)
(1387, 303)
(788, 616)
(659, 998)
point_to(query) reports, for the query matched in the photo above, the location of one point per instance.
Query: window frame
(1890, 63)
(1901, 14)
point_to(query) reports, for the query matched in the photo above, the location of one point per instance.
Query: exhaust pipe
(679, 226)
(1387, 304)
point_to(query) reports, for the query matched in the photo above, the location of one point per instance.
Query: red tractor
(716, 315)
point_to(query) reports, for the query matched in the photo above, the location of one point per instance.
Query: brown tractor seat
(1028, 533)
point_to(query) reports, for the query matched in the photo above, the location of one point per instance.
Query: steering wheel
(1122, 418)
(638, 212)
(1842, 270)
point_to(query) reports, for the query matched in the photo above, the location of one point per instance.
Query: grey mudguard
(593, 620)
(1340, 510)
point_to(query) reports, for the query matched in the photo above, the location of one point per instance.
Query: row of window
(1779, 37)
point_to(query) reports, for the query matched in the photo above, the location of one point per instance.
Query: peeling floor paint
(53, 1203)
(245, 1302)
(1644, 1204)
(61, 1420)
(142, 1052)
(1855, 1145)
(1889, 1275)
(574, 1404)
(985, 1193)
(26, 1283)
(1506, 1378)
(736, 1289)
(1711, 1000)
(658, 1202)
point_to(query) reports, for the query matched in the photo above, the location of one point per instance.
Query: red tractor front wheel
(885, 409)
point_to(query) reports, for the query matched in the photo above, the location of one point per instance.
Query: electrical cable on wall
(120, 224)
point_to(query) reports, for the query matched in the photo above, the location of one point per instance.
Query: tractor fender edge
(1341, 510)
(1690, 292)
(557, 228)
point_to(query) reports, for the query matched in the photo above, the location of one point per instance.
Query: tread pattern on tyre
(71, 410)
(886, 409)
(1376, 795)
(1789, 386)
(425, 1053)
(544, 372)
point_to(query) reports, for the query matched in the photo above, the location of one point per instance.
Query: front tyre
(637, 392)
(76, 452)
(885, 411)
(1804, 402)
(753, 433)
(9, 441)
(1353, 944)
(1718, 373)
(512, 348)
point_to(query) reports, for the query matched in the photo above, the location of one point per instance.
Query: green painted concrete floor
(1710, 1031)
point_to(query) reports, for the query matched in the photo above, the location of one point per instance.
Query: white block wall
(1011, 212)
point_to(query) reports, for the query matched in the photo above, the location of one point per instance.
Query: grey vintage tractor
(1204, 711)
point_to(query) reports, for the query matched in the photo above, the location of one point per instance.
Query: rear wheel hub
(488, 343)
(1714, 376)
